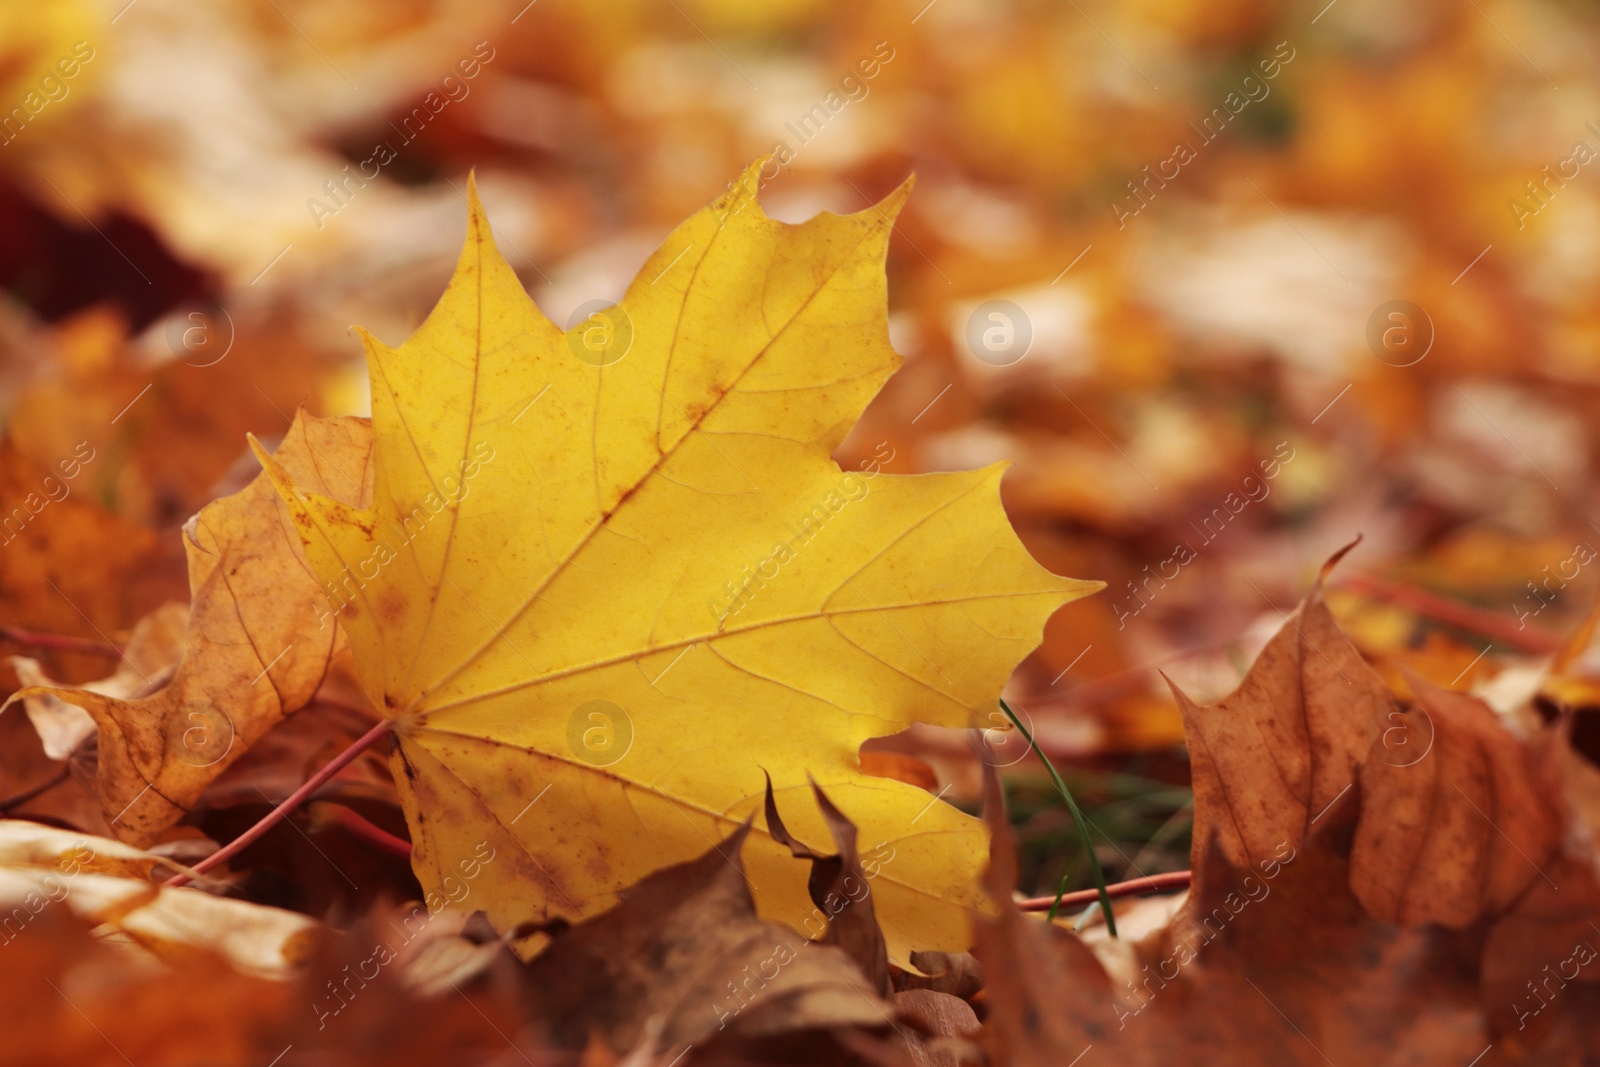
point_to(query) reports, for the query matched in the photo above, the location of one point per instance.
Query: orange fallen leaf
(259, 640)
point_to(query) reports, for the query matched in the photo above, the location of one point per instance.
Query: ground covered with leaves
(798, 562)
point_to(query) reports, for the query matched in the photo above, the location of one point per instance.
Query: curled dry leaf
(840, 889)
(685, 946)
(1417, 904)
(616, 571)
(259, 640)
(1270, 963)
(1275, 963)
(1457, 830)
(109, 884)
(1270, 757)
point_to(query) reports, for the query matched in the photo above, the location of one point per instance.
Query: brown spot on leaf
(391, 607)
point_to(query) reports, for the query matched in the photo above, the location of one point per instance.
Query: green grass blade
(1061, 891)
(1077, 818)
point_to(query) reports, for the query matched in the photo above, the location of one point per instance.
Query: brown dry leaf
(956, 973)
(152, 653)
(1277, 963)
(942, 1024)
(259, 641)
(1272, 963)
(394, 990)
(685, 945)
(1455, 831)
(1032, 967)
(1270, 757)
(1422, 915)
(840, 888)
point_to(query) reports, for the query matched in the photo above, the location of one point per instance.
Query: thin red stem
(1155, 883)
(294, 800)
(59, 642)
(357, 825)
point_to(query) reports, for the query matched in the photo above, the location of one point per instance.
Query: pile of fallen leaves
(621, 625)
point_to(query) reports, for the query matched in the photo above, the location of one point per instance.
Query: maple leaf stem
(294, 800)
(358, 826)
(1133, 887)
(1077, 817)
(59, 642)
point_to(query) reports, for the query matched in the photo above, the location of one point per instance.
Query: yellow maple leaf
(610, 575)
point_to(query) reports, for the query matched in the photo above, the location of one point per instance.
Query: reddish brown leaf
(1270, 757)
(685, 945)
(1456, 832)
